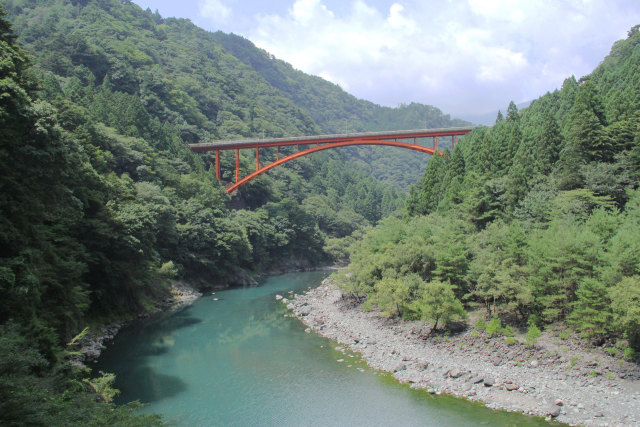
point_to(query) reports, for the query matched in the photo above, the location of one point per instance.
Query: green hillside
(103, 204)
(534, 221)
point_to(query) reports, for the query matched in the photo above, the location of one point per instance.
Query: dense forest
(534, 221)
(103, 204)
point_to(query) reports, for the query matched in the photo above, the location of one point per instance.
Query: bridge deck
(322, 139)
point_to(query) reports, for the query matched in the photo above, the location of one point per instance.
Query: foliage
(494, 327)
(438, 303)
(532, 335)
(542, 212)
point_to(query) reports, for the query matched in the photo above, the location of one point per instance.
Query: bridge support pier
(218, 164)
(257, 158)
(237, 164)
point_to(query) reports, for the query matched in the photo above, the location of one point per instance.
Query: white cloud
(215, 10)
(461, 56)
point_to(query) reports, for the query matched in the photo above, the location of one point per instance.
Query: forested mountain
(103, 204)
(535, 220)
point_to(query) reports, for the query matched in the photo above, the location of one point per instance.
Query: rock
(553, 411)
(511, 387)
(372, 342)
(559, 402)
(400, 367)
(308, 331)
(489, 382)
(340, 360)
(305, 311)
(598, 415)
(278, 297)
(534, 363)
(455, 373)
(421, 366)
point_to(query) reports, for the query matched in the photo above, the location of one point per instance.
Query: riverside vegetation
(535, 221)
(103, 204)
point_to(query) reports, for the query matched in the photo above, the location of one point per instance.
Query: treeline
(536, 219)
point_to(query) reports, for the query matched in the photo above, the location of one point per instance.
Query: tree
(591, 313)
(438, 303)
(625, 303)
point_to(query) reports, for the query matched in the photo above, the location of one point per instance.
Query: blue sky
(462, 56)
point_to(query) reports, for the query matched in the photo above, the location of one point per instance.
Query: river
(238, 361)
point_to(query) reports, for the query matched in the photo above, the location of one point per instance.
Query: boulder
(489, 382)
(553, 411)
(400, 367)
(454, 373)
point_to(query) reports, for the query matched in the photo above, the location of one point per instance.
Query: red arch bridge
(409, 139)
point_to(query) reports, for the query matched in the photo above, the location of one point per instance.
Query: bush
(629, 354)
(533, 333)
(495, 326)
(612, 351)
(481, 325)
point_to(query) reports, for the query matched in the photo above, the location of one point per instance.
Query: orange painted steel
(218, 164)
(298, 154)
(325, 142)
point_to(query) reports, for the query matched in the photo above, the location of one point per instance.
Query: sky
(465, 57)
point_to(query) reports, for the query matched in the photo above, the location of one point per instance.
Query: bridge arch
(324, 142)
(311, 150)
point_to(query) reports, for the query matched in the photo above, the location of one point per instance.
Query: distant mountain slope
(327, 103)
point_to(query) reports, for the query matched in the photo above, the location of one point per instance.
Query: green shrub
(481, 324)
(510, 340)
(533, 333)
(495, 326)
(629, 353)
(507, 331)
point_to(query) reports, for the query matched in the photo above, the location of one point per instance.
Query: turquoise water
(239, 362)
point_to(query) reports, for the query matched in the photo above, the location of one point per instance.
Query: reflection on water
(239, 361)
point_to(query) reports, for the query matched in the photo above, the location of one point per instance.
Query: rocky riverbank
(92, 344)
(572, 385)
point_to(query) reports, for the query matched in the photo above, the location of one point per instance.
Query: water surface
(239, 362)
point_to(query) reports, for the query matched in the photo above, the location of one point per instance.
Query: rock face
(514, 377)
